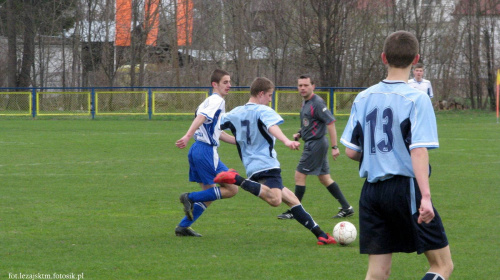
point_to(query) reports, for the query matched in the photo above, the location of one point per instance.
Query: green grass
(100, 197)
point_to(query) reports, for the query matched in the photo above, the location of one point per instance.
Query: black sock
(334, 189)
(239, 180)
(432, 276)
(305, 219)
(299, 191)
(251, 186)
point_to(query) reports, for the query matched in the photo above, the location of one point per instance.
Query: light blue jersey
(387, 121)
(249, 125)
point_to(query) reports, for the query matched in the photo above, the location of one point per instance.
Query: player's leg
(300, 184)
(305, 218)
(440, 263)
(379, 267)
(300, 189)
(202, 170)
(269, 195)
(326, 180)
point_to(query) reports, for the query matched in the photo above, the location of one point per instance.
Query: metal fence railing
(151, 101)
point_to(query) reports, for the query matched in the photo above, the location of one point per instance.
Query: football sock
(334, 189)
(198, 209)
(433, 276)
(299, 191)
(304, 218)
(251, 186)
(239, 180)
(206, 195)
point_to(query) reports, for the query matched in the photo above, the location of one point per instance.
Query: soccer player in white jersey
(256, 127)
(389, 131)
(204, 161)
(419, 82)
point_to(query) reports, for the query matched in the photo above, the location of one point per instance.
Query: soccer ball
(345, 233)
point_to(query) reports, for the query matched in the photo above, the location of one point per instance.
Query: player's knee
(275, 202)
(229, 190)
(379, 273)
(447, 269)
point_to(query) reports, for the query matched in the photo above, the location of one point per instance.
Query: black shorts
(388, 214)
(314, 159)
(270, 178)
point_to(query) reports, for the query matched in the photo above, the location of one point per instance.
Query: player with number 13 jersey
(377, 130)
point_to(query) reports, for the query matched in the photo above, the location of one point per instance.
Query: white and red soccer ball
(344, 233)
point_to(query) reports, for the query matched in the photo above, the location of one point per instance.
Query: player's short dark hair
(306, 76)
(400, 48)
(419, 65)
(217, 75)
(260, 84)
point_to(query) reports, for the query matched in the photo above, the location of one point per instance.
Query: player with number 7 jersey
(255, 127)
(255, 143)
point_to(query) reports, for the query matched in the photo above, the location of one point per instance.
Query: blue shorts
(388, 214)
(204, 163)
(270, 178)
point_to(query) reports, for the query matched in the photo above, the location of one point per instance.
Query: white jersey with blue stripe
(387, 121)
(212, 108)
(424, 85)
(249, 125)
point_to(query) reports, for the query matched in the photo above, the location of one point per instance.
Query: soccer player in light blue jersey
(256, 127)
(204, 161)
(389, 131)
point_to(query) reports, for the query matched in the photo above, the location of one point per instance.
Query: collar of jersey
(393, 82)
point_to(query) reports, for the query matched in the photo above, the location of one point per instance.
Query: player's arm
(332, 131)
(275, 130)
(420, 163)
(227, 138)
(197, 122)
(352, 154)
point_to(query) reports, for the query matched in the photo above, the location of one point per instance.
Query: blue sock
(198, 209)
(206, 195)
(432, 276)
(251, 187)
(304, 218)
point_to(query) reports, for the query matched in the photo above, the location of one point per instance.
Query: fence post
(33, 102)
(273, 101)
(150, 103)
(332, 101)
(92, 103)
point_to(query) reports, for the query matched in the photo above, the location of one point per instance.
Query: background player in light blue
(204, 161)
(390, 129)
(255, 126)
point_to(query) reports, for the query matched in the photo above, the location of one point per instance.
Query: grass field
(99, 199)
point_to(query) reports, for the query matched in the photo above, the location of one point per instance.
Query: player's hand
(335, 153)
(182, 143)
(296, 136)
(293, 145)
(426, 211)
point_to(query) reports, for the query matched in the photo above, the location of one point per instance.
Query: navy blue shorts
(270, 178)
(388, 214)
(204, 163)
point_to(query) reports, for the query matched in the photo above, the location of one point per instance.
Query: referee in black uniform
(316, 119)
